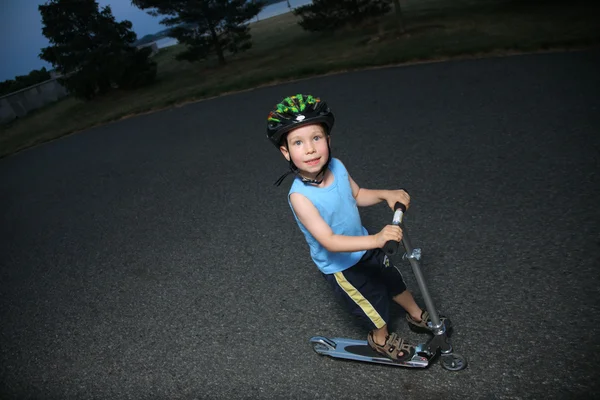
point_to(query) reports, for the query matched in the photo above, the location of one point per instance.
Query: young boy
(324, 200)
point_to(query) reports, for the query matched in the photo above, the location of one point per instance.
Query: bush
(138, 70)
(330, 15)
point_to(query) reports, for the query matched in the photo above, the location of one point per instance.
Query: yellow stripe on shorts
(359, 299)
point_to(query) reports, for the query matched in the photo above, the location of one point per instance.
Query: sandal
(423, 324)
(394, 345)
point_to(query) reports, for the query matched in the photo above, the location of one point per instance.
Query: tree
(330, 15)
(93, 51)
(206, 26)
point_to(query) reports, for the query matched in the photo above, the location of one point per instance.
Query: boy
(324, 200)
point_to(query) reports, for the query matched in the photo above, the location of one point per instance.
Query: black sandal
(394, 345)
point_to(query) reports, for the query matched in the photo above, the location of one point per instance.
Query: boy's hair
(294, 112)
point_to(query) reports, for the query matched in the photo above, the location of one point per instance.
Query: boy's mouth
(314, 161)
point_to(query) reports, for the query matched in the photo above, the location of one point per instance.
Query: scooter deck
(359, 350)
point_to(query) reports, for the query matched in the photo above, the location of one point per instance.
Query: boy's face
(307, 148)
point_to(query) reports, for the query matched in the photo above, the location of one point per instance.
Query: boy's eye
(317, 137)
(297, 142)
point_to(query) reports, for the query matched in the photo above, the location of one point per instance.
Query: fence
(20, 103)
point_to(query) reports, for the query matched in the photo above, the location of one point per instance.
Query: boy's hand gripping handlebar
(391, 246)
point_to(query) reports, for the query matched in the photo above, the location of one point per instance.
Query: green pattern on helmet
(292, 105)
(301, 102)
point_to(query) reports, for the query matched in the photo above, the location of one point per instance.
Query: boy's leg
(415, 315)
(368, 298)
(407, 301)
(392, 278)
(363, 296)
(394, 281)
(380, 335)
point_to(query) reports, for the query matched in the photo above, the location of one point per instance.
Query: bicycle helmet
(294, 112)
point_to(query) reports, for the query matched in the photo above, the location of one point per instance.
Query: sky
(21, 36)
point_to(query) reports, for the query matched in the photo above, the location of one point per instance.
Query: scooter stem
(433, 315)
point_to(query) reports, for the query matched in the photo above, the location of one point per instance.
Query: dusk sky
(22, 39)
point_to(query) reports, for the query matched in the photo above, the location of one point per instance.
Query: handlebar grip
(391, 246)
(400, 206)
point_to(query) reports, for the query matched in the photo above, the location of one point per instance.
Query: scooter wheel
(453, 362)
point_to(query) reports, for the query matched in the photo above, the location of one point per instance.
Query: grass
(436, 29)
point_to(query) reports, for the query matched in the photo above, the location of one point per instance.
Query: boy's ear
(285, 152)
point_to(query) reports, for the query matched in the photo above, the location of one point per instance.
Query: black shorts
(368, 286)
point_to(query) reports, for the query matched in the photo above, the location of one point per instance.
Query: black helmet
(294, 112)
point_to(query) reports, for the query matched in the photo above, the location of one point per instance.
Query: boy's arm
(308, 214)
(368, 197)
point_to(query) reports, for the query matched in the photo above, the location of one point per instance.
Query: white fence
(19, 104)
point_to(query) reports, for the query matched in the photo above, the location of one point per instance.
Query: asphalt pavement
(152, 258)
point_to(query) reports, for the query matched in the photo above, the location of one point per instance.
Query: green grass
(436, 29)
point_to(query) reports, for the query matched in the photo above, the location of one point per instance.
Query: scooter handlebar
(391, 246)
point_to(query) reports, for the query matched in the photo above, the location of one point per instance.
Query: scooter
(425, 353)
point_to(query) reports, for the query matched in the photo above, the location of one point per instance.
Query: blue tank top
(338, 208)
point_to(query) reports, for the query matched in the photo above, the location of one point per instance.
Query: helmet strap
(282, 178)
